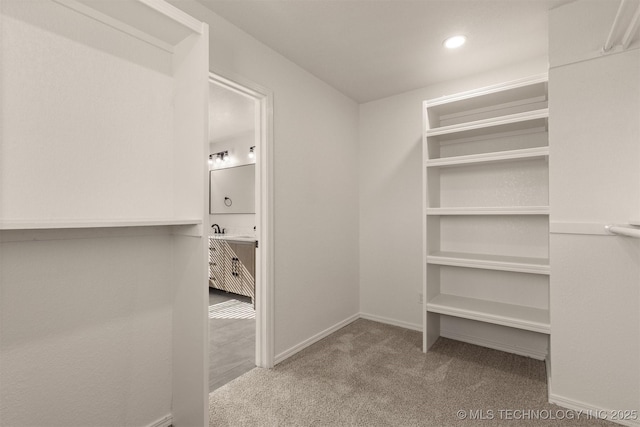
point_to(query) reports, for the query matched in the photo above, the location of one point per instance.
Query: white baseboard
(317, 337)
(528, 352)
(165, 421)
(547, 365)
(393, 322)
(586, 408)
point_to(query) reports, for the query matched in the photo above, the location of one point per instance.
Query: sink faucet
(216, 229)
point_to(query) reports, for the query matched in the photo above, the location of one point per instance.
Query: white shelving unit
(104, 124)
(485, 181)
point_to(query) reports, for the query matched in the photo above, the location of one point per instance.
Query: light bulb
(454, 42)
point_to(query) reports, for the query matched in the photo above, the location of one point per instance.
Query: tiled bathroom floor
(232, 337)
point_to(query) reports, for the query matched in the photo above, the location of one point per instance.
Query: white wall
(238, 148)
(316, 183)
(100, 326)
(594, 135)
(390, 180)
(86, 327)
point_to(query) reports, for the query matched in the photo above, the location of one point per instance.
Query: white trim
(175, 14)
(265, 323)
(524, 117)
(95, 11)
(393, 322)
(485, 210)
(491, 262)
(521, 351)
(500, 87)
(499, 313)
(593, 55)
(591, 228)
(116, 24)
(265, 330)
(314, 339)
(165, 421)
(576, 228)
(579, 406)
(547, 365)
(93, 223)
(495, 157)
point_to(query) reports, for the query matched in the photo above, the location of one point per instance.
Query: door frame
(263, 98)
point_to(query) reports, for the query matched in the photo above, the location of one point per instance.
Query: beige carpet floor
(371, 374)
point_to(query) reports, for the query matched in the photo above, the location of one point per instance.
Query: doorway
(241, 296)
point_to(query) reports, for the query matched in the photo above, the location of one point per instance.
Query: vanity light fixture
(210, 159)
(222, 156)
(454, 42)
(252, 153)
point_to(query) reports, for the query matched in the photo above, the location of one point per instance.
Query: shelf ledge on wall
(96, 223)
(153, 21)
(501, 210)
(487, 158)
(491, 262)
(514, 316)
(497, 90)
(516, 121)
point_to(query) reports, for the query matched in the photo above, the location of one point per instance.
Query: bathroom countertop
(234, 237)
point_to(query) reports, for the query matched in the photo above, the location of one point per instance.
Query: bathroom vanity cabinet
(232, 265)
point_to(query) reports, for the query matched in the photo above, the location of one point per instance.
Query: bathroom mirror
(232, 190)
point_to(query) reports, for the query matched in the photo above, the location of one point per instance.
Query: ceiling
(371, 49)
(230, 114)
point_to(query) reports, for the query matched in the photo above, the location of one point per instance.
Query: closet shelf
(500, 210)
(97, 223)
(515, 316)
(508, 123)
(490, 262)
(153, 21)
(528, 87)
(495, 157)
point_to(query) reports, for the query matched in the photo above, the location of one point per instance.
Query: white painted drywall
(100, 326)
(594, 136)
(86, 327)
(58, 132)
(390, 180)
(316, 183)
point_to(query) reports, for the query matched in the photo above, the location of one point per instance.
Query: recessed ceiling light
(454, 42)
